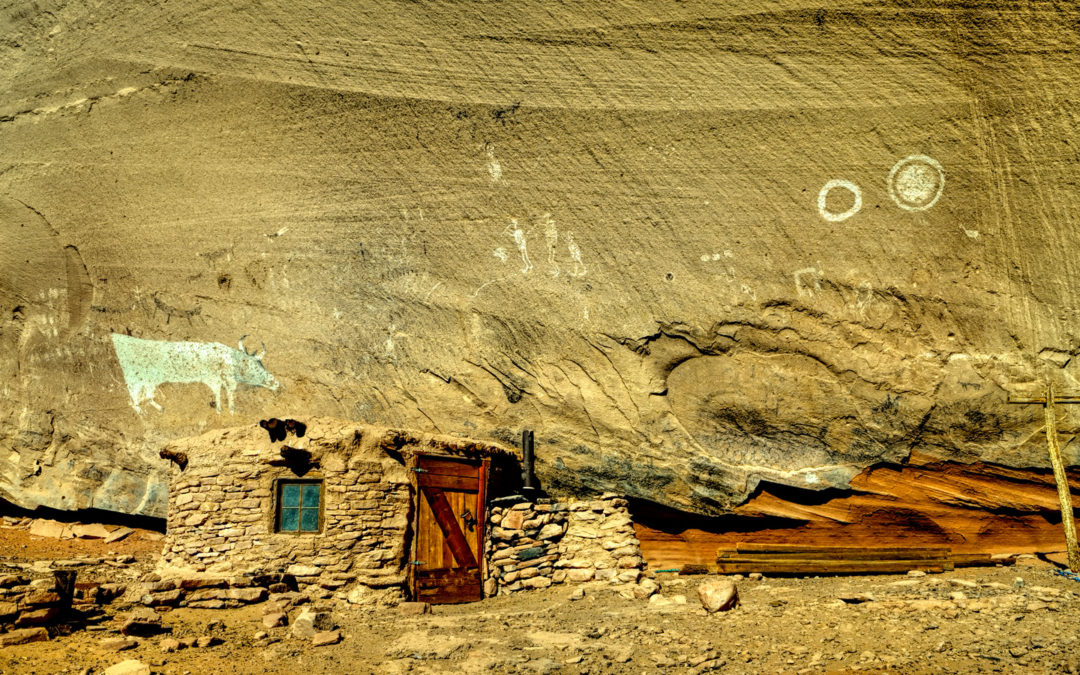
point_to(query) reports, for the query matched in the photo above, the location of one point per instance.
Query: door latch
(469, 519)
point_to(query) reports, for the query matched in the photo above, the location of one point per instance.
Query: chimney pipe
(528, 461)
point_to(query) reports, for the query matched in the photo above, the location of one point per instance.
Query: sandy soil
(1003, 619)
(18, 545)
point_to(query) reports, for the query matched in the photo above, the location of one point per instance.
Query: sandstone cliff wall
(695, 245)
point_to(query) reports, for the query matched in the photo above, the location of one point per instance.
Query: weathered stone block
(37, 617)
(141, 621)
(165, 598)
(530, 553)
(537, 582)
(247, 595)
(41, 598)
(513, 520)
(579, 575)
(309, 621)
(23, 636)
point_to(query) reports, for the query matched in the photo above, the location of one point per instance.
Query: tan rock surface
(627, 229)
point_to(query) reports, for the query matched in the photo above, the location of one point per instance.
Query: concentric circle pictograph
(916, 182)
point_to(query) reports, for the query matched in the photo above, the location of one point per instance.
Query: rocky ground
(996, 619)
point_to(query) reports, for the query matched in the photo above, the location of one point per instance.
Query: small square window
(298, 506)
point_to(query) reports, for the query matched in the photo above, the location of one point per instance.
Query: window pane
(290, 495)
(311, 496)
(290, 520)
(309, 520)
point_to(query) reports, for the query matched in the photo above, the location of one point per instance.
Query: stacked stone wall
(222, 519)
(534, 544)
(30, 605)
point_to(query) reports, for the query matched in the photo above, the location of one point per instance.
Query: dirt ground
(1018, 619)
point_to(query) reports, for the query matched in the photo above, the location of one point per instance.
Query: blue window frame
(299, 506)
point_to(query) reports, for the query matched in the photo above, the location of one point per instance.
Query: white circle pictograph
(916, 182)
(824, 194)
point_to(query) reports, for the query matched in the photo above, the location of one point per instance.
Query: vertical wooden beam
(481, 516)
(1062, 480)
(414, 497)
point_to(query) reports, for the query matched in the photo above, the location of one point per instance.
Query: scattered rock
(718, 595)
(309, 622)
(119, 644)
(855, 598)
(275, 619)
(414, 608)
(331, 637)
(169, 645)
(621, 654)
(645, 589)
(48, 528)
(208, 641)
(129, 667)
(118, 534)
(142, 621)
(95, 531)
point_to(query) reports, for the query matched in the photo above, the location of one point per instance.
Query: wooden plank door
(449, 529)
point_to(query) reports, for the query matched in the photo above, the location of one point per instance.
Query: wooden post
(1062, 480)
(1064, 495)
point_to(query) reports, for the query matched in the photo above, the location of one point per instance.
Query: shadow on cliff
(84, 516)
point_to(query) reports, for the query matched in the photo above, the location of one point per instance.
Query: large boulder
(718, 594)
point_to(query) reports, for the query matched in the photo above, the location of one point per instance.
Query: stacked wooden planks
(802, 559)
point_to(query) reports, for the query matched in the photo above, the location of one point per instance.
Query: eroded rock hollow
(696, 246)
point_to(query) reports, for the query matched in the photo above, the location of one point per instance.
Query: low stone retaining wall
(549, 541)
(30, 605)
(25, 602)
(216, 593)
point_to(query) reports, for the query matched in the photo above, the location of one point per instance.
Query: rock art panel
(709, 329)
(146, 364)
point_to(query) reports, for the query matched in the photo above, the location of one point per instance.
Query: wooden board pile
(801, 559)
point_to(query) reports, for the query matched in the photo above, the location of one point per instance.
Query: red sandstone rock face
(696, 247)
(965, 508)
